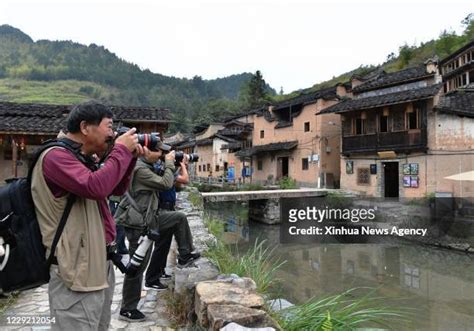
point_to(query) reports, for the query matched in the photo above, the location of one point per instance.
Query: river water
(438, 283)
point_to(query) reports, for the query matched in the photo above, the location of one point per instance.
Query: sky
(295, 44)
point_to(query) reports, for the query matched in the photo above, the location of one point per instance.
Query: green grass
(214, 226)
(196, 199)
(257, 263)
(344, 312)
(62, 92)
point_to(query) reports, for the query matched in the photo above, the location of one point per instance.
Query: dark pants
(132, 286)
(120, 239)
(159, 257)
(170, 223)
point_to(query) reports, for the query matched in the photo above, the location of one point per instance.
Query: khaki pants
(73, 310)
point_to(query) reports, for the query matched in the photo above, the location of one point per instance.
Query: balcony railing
(382, 141)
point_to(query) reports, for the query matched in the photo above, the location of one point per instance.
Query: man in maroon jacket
(82, 279)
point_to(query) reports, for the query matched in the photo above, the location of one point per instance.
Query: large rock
(186, 279)
(221, 315)
(231, 291)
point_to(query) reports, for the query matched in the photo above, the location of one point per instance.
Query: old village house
(403, 133)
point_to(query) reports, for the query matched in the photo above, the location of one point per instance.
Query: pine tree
(254, 93)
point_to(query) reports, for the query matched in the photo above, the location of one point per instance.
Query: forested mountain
(85, 72)
(65, 72)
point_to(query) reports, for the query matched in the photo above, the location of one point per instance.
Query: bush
(287, 183)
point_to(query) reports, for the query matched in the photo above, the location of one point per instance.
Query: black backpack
(24, 264)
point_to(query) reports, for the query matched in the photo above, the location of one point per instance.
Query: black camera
(179, 156)
(149, 140)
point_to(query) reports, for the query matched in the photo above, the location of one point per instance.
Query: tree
(254, 93)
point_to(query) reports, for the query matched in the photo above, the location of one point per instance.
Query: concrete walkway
(34, 303)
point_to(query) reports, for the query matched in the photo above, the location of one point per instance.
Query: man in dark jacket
(144, 190)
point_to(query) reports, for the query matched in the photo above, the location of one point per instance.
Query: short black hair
(90, 112)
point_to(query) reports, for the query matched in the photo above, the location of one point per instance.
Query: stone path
(34, 303)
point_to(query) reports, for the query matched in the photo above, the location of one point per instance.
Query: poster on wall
(406, 181)
(414, 182)
(349, 167)
(406, 169)
(410, 169)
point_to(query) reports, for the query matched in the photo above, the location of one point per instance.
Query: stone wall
(214, 301)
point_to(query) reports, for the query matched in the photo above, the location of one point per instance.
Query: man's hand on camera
(170, 156)
(129, 139)
(141, 151)
(182, 164)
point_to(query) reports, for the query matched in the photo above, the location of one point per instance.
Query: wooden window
(412, 120)
(359, 126)
(199, 167)
(383, 123)
(208, 167)
(217, 167)
(260, 165)
(306, 127)
(304, 164)
(262, 134)
(363, 176)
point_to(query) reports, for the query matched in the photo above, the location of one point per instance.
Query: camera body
(149, 140)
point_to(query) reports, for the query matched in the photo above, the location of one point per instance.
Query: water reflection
(439, 283)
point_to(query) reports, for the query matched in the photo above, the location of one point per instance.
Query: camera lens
(148, 140)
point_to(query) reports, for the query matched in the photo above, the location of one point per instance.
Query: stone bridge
(264, 206)
(263, 194)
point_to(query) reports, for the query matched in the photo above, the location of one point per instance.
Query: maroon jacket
(65, 173)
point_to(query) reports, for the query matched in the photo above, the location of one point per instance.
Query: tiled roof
(203, 142)
(141, 113)
(49, 119)
(388, 79)
(225, 138)
(32, 124)
(235, 145)
(458, 103)
(34, 118)
(383, 100)
(283, 146)
(308, 98)
(235, 133)
(186, 144)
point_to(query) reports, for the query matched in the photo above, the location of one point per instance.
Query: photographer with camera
(81, 277)
(139, 212)
(156, 269)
